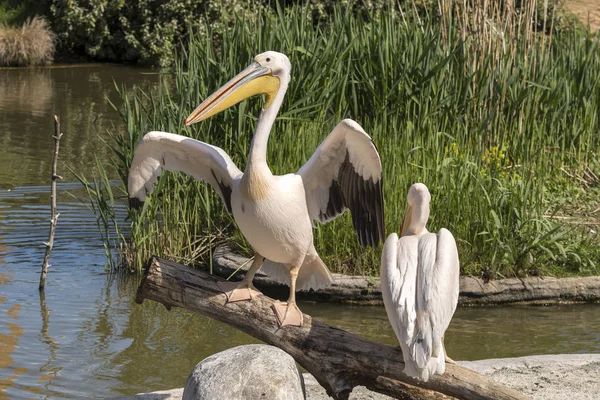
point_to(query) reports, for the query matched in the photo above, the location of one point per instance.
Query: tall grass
(473, 102)
(31, 44)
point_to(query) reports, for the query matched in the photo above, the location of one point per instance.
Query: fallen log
(337, 359)
(348, 289)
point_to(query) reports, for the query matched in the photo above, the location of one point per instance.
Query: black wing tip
(364, 198)
(135, 203)
(371, 208)
(369, 238)
(225, 190)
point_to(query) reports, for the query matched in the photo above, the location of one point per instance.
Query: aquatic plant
(31, 44)
(476, 103)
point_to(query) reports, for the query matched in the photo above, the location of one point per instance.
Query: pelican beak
(253, 80)
(406, 220)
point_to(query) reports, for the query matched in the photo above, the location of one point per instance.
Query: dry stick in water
(57, 135)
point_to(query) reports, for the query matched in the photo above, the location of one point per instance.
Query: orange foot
(238, 291)
(288, 314)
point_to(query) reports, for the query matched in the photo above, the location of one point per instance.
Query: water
(29, 97)
(87, 337)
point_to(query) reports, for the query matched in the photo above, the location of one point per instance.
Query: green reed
(489, 119)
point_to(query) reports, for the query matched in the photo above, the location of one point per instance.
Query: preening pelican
(275, 213)
(419, 282)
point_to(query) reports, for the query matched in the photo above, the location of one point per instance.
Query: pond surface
(86, 337)
(29, 97)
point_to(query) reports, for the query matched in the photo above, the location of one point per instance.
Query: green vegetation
(499, 120)
(16, 12)
(150, 31)
(141, 31)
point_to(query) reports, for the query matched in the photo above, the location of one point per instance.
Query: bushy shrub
(142, 31)
(149, 31)
(32, 44)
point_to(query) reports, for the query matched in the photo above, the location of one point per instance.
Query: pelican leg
(288, 313)
(243, 290)
(448, 359)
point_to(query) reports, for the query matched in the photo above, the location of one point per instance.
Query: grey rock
(545, 377)
(253, 371)
(172, 394)
(562, 361)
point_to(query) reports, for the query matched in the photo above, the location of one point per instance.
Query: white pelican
(419, 282)
(275, 213)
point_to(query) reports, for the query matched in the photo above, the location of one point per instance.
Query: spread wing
(398, 276)
(345, 172)
(437, 293)
(162, 150)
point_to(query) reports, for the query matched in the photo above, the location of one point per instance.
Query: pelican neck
(258, 148)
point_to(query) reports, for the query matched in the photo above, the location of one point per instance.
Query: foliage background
(499, 120)
(149, 31)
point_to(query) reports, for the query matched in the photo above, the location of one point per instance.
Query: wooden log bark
(349, 289)
(337, 359)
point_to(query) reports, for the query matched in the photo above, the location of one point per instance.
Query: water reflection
(47, 371)
(164, 343)
(487, 332)
(30, 97)
(8, 342)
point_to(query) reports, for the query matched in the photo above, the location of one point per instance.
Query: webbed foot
(288, 314)
(238, 291)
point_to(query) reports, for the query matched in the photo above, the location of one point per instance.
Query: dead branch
(54, 215)
(337, 359)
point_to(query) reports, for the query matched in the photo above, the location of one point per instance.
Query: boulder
(254, 371)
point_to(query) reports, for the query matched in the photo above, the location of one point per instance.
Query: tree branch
(337, 359)
(54, 215)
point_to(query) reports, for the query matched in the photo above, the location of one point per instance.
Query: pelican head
(264, 76)
(417, 210)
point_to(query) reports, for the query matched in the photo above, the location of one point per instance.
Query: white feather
(313, 274)
(163, 150)
(398, 270)
(420, 286)
(323, 167)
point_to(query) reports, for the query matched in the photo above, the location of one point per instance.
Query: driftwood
(54, 215)
(337, 359)
(349, 289)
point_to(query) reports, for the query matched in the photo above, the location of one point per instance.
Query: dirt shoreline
(547, 377)
(360, 290)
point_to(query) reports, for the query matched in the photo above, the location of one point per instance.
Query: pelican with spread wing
(275, 213)
(419, 282)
